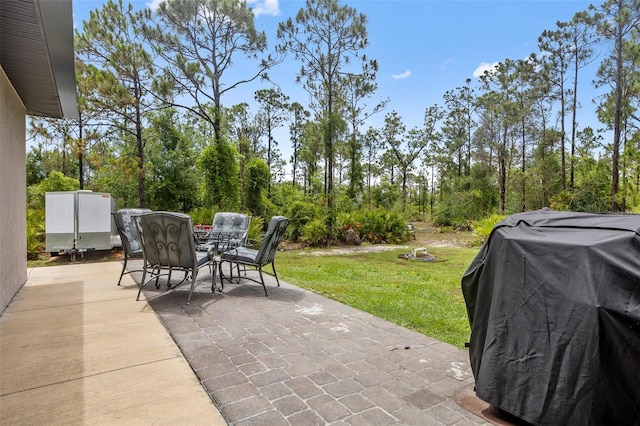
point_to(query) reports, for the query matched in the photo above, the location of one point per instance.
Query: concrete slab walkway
(75, 349)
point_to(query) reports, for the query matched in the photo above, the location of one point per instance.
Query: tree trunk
(80, 152)
(524, 159)
(140, 147)
(503, 173)
(574, 107)
(615, 158)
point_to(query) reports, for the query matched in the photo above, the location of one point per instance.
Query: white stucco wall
(13, 241)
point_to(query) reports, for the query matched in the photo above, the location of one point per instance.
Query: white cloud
(402, 76)
(446, 63)
(484, 66)
(260, 7)
(154, 4)
(264, 7)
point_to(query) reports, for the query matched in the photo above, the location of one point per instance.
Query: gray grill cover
(553, 300)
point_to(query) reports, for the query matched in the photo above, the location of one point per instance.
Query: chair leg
(157, 278)
(169, 278)
(144, 275)
(194, 275)
(237, 268)
(262, 281)
(244, 269)
(123, 269)
(155, 272)
(221, 276)
(273, 265)
(213, 276)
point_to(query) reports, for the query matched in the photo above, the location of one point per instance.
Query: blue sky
(423, 47)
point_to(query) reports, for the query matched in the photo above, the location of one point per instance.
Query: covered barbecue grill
(553, 300)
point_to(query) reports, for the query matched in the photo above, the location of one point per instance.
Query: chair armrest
(206, 246)
(251, 244)
(233, 243)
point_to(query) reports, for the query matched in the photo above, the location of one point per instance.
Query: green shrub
(56, 181)
(315, 233)
(386, 194)
(379, 226)
(372, 227)
(35, 233)
(256, 230)
(300, 213)
(413, 213)
(270, 210)
(201, 216)
(256, 186)
(441, 215)
(396, 226)
(482, 228)
(344, 223)
(219, 167)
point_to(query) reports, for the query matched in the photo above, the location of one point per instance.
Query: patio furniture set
(168, 242)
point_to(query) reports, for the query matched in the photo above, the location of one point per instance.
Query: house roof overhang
(37, 55)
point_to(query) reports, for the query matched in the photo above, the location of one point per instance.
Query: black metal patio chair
(168, 245)
(228, 230)
(257, 259)
(131, 247)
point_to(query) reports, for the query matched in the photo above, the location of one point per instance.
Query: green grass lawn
(423, 296)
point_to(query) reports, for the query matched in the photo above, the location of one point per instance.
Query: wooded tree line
(154, 130)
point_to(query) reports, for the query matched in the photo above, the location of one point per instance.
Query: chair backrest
(231, 227)
(167, 239)
(123, 219)
(269, 246)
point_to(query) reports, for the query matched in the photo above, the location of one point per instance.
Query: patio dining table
(218, 244)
